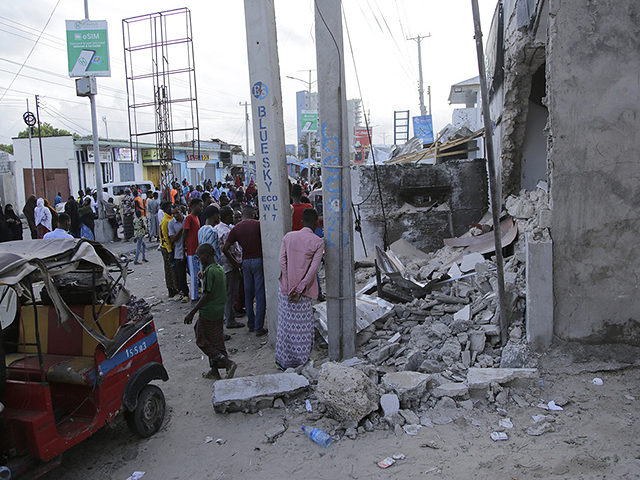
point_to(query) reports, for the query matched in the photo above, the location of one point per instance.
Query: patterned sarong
(295, 331)
(169, 272)
(210, 338)
(127, 223)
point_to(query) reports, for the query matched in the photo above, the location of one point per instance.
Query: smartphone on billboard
(83, 62)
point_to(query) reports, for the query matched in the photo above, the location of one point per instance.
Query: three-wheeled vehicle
(76, 350)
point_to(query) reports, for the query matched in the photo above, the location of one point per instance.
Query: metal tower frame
(400, 127)
(169, 32)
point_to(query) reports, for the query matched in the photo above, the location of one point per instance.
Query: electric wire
(33, 48)
(385, 238)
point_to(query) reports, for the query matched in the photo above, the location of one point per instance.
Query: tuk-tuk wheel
(148, 416)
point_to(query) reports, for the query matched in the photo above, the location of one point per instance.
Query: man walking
(247, 234)
(300, 257)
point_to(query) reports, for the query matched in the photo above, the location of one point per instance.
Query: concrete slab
(480, 378)
(242, 394)
(539, 313)
(453, 390)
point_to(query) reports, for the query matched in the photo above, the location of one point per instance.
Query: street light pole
(309, 83)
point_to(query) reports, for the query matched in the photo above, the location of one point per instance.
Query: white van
(113, 189)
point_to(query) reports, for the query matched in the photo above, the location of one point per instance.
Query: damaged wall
(524, 51)
(594, 120)
(409, 190)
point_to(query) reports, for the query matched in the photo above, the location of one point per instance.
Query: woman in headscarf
(71, 209)
(54, 215)
(86, 220)
(13, 222)
(42, 217)
(5, 234)
(28, 211)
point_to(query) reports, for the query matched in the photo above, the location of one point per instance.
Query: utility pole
(96, 143)
(423, 111)
(106, 128)
(493, 178)
(33, 175)
(336, 181)
(44, 177)
(269, 148)
(246, 138)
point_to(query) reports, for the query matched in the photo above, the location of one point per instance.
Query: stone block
(275, 432)
(409, 416)
(453, 390)
(347, 393)
(241, 394)
(407, 385)
(469, 261)
(539, 309)
(481, 378)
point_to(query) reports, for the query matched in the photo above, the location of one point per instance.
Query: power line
(32, 48)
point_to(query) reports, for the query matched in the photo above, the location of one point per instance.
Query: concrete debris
(347, 393)
(481, 378)
(274, 433)
(453, 390)
(243, 393)
(409, 386)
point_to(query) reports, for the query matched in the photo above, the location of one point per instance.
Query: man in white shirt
(64, 222)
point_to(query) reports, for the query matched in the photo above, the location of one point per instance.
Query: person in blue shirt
(58, 199)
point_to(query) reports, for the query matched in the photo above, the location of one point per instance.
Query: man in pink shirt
(300, 257)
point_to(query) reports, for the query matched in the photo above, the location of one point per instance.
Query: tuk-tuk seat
(67, 351)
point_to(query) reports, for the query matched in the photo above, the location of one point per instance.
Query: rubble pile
(435, 358)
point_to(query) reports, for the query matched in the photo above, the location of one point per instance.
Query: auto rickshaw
(76, 351)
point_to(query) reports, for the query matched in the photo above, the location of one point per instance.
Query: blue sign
(423, 128)
(259, 90)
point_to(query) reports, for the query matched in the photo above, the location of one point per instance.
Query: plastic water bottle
(321, 438)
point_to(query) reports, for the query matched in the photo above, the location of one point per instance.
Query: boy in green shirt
(209, 326)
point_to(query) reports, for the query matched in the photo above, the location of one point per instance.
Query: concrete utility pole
(246, 137)
(270, 152)
(336, 181)
(496, 205)
(423, 111)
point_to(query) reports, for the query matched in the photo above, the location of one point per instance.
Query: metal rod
(493, 187)
(33, 175)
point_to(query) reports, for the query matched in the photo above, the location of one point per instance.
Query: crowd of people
(210, 241)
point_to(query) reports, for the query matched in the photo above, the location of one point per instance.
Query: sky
(381, 64)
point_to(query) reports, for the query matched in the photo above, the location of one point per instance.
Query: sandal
(231, 370)
(210, 376)
(235, 325)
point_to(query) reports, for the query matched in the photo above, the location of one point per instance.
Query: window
(107, 172)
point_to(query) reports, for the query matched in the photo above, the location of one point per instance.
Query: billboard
(308, 121)
(423, 128)
(362, 144)
(123, 154)
(88, 48)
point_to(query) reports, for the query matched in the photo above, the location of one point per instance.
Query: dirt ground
(596, 436)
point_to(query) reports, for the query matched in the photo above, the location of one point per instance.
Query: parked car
(75, 352)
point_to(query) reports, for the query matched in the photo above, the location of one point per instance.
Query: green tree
(6, 148)
(47, 131)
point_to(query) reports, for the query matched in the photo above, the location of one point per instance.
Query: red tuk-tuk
(76, 351)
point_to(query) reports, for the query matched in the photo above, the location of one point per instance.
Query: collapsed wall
(423, 204)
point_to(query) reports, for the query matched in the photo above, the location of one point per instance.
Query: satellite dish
(8, 306)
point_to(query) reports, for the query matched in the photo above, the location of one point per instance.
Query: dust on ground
(596, 436)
